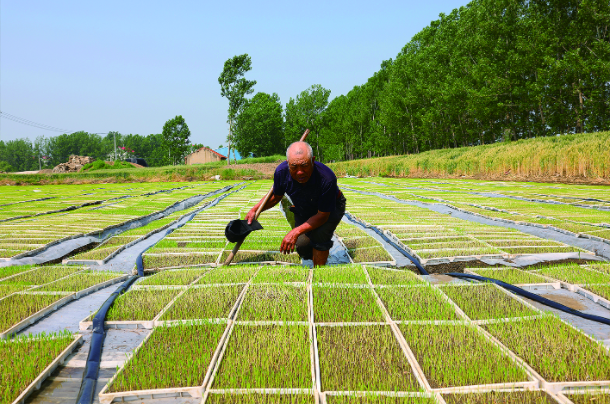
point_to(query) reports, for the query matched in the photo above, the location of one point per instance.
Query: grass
(204, 303)
(281, 274)
(363, 358)
(274, 303)
(574, 273)
(80, 281)
(176, 356)
(458, 355)
(336, 304)
(140, 305)
(416, 303)
(18, 307)
(230, 274)
(380, 276)
(256, 398)
(378, 399)
(501, 397)
(179, 277)
(513, 276)
(350, 274)
(483, 302)
(24, 358)
(266, 357)
(555, 350)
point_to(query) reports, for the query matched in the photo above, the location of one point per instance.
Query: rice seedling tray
(52, 306)
(591, 294)
(259, 396)
(107, 395)
(179, 260)
(513, 276)
(80, 293)
(502, 396)
(585, 396)
(59, 360)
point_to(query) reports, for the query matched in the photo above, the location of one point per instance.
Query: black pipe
(533, 297)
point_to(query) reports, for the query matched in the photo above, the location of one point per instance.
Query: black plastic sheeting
(94, 359)
(140, 264)
(533, 296)
(396, 246)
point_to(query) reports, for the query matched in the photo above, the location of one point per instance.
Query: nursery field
(270, 329)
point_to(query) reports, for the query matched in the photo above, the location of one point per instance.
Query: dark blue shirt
(318, 194)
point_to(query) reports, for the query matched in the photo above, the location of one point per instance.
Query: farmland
(269, 328)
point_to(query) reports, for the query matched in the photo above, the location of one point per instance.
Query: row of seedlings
(27, 236)
(200, 241)
(30, 293)
(584, 222)
(263, 246)
(361, 247)
(436, 238)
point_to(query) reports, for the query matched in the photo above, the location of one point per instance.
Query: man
(318, 207)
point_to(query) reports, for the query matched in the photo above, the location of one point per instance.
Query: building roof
(215, 152)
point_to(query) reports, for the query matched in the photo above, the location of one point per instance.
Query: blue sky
(129, 66)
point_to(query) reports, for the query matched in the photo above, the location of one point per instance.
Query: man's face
(301, 168)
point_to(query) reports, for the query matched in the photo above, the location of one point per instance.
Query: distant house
(234, 153)
(203, 155)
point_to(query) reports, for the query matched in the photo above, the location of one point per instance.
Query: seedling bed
(281, 274)
(172, 360)
(555, 351)
(586, 397)
(345, 305)
(265, 357)
(21, 309)
(383, 276)
(513, 276)
(173, 277)
(458, 356)
(274, 303)
(600, 294)
(373, 398)
(501, 397)
(363, 358)
(231, 274)
(174, 260)
(574, 274)
(487, 301)
(261, 257)
(208, 302)
(417, 303)
(249, 397)
(346, 274)
(377, 254)
(42, 275)
(83, 283)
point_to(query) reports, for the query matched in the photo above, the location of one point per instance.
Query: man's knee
(304, 247)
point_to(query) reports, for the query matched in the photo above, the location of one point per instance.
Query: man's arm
(271, 202)
(289, 242)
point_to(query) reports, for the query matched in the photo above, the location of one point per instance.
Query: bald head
(299, 150)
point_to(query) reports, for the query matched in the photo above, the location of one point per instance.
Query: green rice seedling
(230, 274)
(483, 302)
(373, 398)
(416, 303)
(501, 397)
(257, 398)
(281, 274)
(8, 289)
(452, 245)
(456, 252)
(80, 281)
(589, 398)
(458, 355)
(261, 256)
(18, 307)
(363, 358)
(24, 358)
(598, 265)
(369, 254)
(266, 357)
(204, 303)
(600, 290)
(96, 253)
(274, 303)
(177, 260)
(353, 274)
(140, 304)
(513, 276)
(8, 271)
(381, 276)
(555, 350)
(540, 250)
(358, 242)
(338, 304)
(43, 275)
(176, 356)
(574, 273)
(178, 277)
(523, 243)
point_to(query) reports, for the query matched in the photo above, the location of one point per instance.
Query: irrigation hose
(94, 359)
(396, 246)
(533, 296)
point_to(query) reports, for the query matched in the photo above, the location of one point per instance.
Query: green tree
(235, 87)
(259, 126)
(176, 136)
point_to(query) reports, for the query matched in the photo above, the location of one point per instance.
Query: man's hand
(289, 242)
(251, 214)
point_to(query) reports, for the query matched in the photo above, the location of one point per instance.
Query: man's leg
(320, 257)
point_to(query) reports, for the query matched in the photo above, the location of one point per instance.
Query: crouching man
(318, 207)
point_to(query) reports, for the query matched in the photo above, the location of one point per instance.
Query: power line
(27, 122)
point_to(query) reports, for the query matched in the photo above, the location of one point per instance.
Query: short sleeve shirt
(318, 194)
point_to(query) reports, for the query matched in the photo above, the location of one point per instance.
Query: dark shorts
(320, 238)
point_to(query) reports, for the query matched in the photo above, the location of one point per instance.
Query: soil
(267, 169)
(566, 301)
(454, 267)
